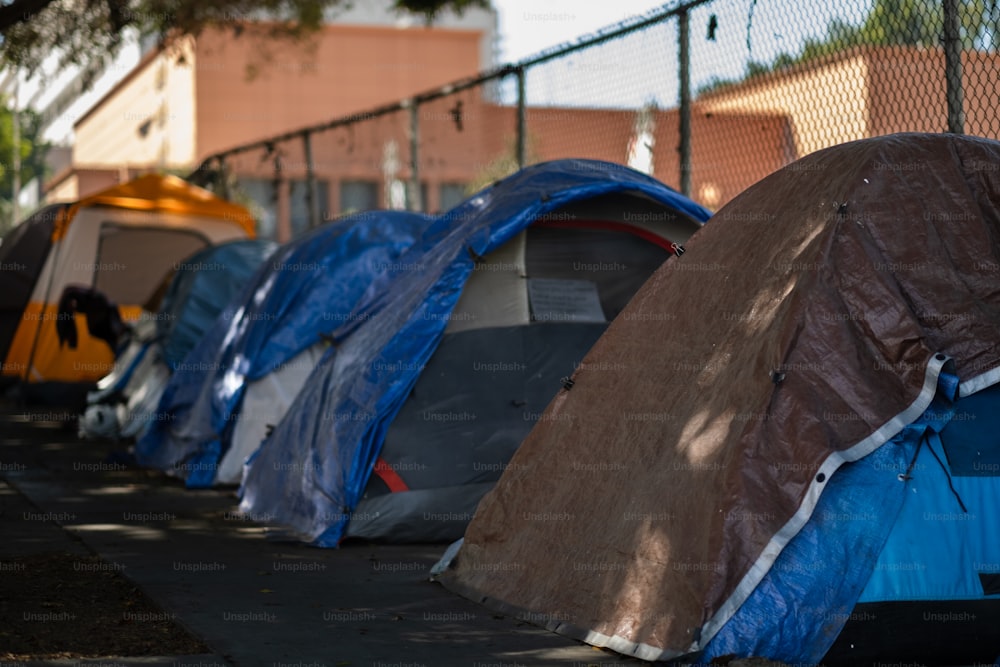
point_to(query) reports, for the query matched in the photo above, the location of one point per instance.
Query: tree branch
(20, 11)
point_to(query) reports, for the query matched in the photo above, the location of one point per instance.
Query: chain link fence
(708, 96)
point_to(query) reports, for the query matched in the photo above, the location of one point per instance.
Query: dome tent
(121, 242)
(264, 346)
(197, 290)
(454, 353)
(829, 397)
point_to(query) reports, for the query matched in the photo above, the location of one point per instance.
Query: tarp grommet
(821, 477)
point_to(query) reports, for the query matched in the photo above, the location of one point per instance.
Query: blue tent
(310, 474)
(202, 286)
(197, 290)
(294, 300)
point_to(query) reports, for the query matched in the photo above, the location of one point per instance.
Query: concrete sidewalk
(253, 600)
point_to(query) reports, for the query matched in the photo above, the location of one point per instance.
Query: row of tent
(782, 442)
(379, 373)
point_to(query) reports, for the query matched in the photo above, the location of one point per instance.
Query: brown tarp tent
(805, 325)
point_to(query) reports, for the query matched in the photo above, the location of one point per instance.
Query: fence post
(684, 37)
(953, 67)
(522, 120)
(223, 178)
(312, 192)
(413, 201)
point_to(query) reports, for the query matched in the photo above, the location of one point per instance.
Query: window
(358, 196)
(300, 204)
(423, 197)
(451, 195)
(263, 204)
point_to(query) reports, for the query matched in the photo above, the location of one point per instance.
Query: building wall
(351, 69)
(908, 91)
(147, 119)
(81, 181)
(827, 102)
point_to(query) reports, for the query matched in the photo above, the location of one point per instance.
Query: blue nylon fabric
(942, 547)
(307, 289)
(310, 473)
(204, 284)
(797, 611)
(127, 375)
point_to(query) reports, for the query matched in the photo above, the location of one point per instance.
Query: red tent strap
(615, 226)
(389, 476)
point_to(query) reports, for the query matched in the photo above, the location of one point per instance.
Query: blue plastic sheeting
(944, 538)
(202, 286)
(844, 554)
(307, 289)
(310, 473)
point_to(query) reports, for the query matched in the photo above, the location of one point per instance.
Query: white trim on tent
(858, 451)
(978, 383)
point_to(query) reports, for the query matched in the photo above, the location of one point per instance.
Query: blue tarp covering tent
(306, 289)
(310, 472)
(202, 286)
(934, 540)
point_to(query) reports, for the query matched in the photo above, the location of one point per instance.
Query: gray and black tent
(434, 379)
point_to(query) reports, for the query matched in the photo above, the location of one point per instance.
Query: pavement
(253, 599)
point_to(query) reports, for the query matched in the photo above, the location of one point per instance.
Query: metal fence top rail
(606, 34)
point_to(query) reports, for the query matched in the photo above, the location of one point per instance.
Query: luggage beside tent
(120, 242)
(455, 352)
(817, 433)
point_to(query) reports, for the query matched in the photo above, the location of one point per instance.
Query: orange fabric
(90, 361)
(159, 192)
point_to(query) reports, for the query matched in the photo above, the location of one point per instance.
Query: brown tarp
(801, 329)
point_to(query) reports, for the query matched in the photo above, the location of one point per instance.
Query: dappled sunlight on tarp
(804, 327)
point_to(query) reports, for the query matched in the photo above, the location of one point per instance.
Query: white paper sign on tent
(561, 300)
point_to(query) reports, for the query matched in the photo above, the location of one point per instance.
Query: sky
(528, 26)
(643, 66)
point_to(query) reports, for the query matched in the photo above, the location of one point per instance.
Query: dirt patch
(60, 605)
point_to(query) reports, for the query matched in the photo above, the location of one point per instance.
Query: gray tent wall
(528, 315)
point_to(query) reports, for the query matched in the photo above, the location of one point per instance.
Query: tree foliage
(917, 23)
(30, 149)
(89, 33)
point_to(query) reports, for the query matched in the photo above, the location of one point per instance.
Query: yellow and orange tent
(122, 242)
